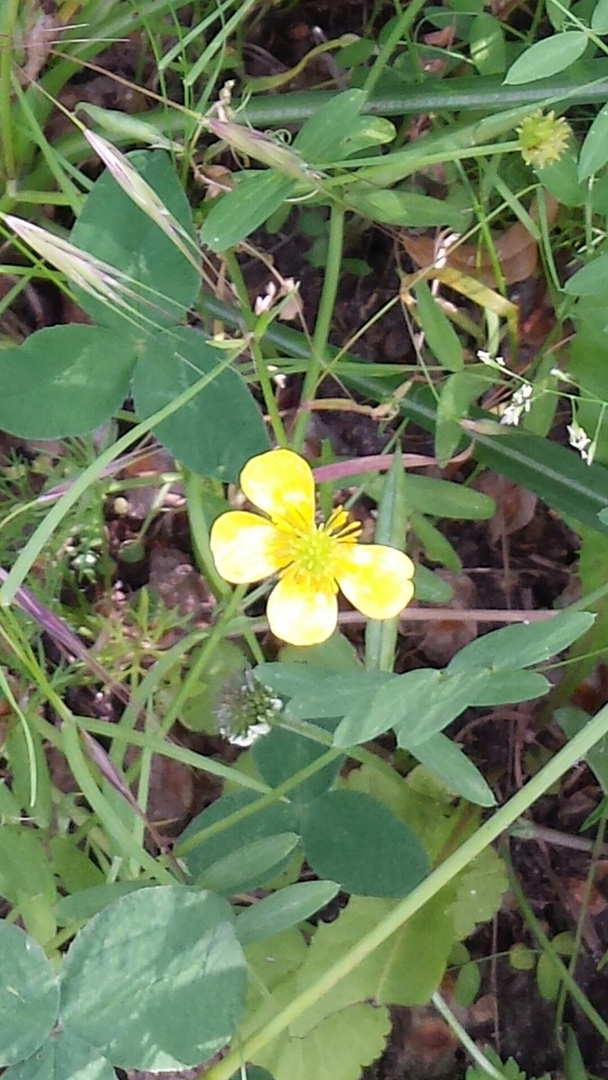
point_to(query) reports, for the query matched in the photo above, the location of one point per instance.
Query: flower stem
(256, 351)
(323, 323)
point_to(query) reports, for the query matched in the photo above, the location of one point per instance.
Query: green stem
(199, 531)
(440, 877)
(323, 322)
(465, 1039)
(7, 26)
(400, 29)
(256, 350)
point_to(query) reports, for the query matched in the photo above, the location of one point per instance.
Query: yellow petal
(301, 615)
(244, 547)
(376, 579)
(281, 484)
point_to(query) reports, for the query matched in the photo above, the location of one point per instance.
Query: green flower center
(311, 555)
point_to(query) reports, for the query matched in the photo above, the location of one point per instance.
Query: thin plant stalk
(256, 352)
(323, 322)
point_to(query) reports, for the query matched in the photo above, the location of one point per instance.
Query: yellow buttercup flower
(312, 561)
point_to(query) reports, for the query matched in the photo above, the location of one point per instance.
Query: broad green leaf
(9, 806)
(506, 687)
(455, 397)
(325, 135)
(114, 229)
(282, 754)
(361, 724)
(345, 1043)
(341, 1030)
(437, 548)
(572, 720)
(17, 750)
(283, 909)
(128, 127)
(316, 693)
(404, 208)
(219, 429)
(355, 840)
(599, 18)
(81, 906)
(547, 57)
(24, 866)
(29, 995)
(449, 763)
(590, 280)
(594, 151)
(430, 588)
(557, 12)
(440, 335)
(241, 211)
(157, 980)
(405, 970)
(468, 984)
(365, 131)
(270, 821)
(548, 978)
(440, 498)
(336, 654)
(252, 1072)
(562, 181)
(249, 867)
(523, 644)
(64, 380)
(37, 916)
(480, 889)
(64, 1055)
(487, 44)
(272, 961)
(75, 869)
(423, 701)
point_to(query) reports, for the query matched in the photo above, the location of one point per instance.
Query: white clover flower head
(246, 709)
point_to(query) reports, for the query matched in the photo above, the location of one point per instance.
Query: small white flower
(512, 414)
(288, 291)
(579, 440)
(557, 373)
(523, 396)
(265, 301)
(445, 241)
(577, 436)
(491, 361)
